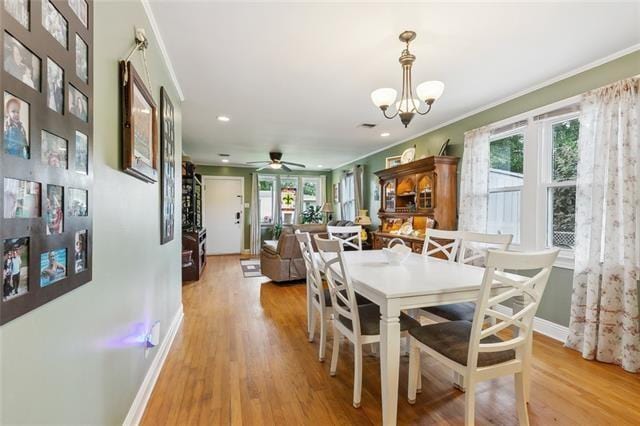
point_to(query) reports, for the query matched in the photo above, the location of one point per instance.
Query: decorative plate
(408, 155)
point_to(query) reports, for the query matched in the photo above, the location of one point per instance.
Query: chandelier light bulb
(430, 91)
(384, 97)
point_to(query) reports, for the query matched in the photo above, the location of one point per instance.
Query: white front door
(223, 214)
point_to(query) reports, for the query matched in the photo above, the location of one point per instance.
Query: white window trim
(301, 178)
(534, 206)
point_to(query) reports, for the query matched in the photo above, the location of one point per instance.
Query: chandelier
(427, 92)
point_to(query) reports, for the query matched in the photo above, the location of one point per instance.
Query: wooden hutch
(194, 236)
(422, 193)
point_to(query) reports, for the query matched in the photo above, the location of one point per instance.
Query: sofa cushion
(451, 339)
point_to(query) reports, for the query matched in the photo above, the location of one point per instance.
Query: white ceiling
(297, 77)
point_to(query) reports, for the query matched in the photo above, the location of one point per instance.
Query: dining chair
(434, 245)
(478, 353)
(360, 324)
(472, 250)
(318, 301)
(349, 236)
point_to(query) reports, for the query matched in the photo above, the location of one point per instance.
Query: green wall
(557, 299)
(246, 173)
(78, 359)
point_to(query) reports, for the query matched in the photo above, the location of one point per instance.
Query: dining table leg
(389, 361)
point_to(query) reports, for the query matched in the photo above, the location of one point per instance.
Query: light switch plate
(246, 205)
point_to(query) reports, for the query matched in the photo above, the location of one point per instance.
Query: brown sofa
(284, 262)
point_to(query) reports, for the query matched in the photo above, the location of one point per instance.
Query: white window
(560, 139)
(532, 179)
(348, 207)
(267, 206)
(506, 178)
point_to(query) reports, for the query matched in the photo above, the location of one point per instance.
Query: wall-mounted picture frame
(393, 161)
(168, 167)
(46, 169)
(139, 126)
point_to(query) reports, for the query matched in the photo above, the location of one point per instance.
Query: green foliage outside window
(507, 154)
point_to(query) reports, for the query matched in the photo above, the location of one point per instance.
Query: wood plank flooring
(242, 357)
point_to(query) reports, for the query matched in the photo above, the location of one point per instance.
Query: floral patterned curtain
(474, 185)
(604, 308)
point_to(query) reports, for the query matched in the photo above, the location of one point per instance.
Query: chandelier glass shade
(409, 104)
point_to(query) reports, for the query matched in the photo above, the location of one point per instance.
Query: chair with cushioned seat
(360, 324)
(472, 250)
(478, 353)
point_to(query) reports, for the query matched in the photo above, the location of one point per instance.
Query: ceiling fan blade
(258, 162)
(293, 164)
(285, 168)
(262, 168)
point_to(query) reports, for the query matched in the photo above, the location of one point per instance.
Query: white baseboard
(550, 329)
(144, 392)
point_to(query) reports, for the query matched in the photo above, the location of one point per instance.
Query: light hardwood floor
(242, 357)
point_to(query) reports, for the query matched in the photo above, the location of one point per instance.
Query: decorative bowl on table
(396, 254)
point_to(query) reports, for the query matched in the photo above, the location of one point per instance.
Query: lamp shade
(430, 90)
(327, 208)
(362, 218)
(384, 97)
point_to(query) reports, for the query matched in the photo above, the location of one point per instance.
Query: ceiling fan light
(275, 166)
(430, 91)
(384, 97)
(406, 105)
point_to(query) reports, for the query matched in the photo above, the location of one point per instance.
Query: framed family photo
(139, 126)
(168, 167)
(46, 150)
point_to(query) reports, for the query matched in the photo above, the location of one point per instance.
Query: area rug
(251, 268)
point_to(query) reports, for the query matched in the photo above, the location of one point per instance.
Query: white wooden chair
(472, 250)
(434, 245)
(318, 302)
(477, 353)
(360, 324)
(349, 236)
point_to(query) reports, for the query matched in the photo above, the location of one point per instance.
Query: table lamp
(363, 220)
(327, 209)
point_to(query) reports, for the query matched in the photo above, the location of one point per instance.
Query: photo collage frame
(46, 151)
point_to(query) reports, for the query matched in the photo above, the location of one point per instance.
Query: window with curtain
(267, 197)
(348, 205)
(531, 190)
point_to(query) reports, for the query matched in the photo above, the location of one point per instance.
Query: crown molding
(163, 48)
(530, 89)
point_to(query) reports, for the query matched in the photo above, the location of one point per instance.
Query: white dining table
(419, 281)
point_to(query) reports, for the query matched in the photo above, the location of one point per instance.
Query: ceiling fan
(276, 163)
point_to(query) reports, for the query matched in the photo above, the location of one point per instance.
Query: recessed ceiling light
(225, 160)
(223, 118)
(385, 134)
(319, 166)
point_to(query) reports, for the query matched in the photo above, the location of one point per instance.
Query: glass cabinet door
(426, 191)
(389, 193)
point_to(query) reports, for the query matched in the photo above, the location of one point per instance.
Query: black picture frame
(64, 125)
(167, 168)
